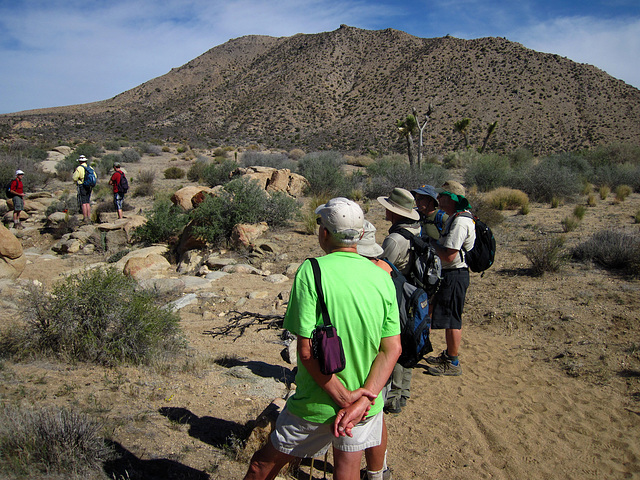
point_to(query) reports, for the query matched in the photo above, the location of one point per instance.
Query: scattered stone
(257, 295)
(241, 268)
(151, 266)
(276, 278)
(244, 235)
(182, 302)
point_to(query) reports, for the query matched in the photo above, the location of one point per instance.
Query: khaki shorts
(300, 438)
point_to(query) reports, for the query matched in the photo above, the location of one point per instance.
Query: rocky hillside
(345, 90)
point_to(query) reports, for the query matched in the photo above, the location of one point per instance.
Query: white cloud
(611, 45)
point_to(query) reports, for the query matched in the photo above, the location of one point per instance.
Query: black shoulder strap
(417, 242)
(317, 277)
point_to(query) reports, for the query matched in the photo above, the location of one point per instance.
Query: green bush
(617, 250)
(98, 316)
(393, 171)
(242, 201)
(164, 224)
(552, 177)
(105, 165)
(173, 173)
(196, 171)
(570, 223)
(546, 255)
(47, 441)
(219, 173)
(488, 172)
(507, 199)
(622, 192)
(112, 145)
(324, 172)
(461, 158)
(130, 155)
(579, 211)
(88, 149)
(33, 179)
(604, 192)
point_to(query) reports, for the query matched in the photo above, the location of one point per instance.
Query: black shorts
(448, 302)
(84, 194)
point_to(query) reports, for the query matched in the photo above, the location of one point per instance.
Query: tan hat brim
(411, 214)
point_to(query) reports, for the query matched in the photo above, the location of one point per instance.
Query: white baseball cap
(19, 172)
(342, 217)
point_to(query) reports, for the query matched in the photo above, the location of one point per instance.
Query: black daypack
(426, 266)
(413, 304)
(8, 190)
(483, 253)
(123, 184)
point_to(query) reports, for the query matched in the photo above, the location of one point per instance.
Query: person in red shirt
(16, 190)
(118, 196)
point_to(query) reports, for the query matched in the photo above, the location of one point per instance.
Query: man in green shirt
(343, 409)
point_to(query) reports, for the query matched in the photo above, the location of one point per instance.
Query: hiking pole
(324, 472)
(311, 469)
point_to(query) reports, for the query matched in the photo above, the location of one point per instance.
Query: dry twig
(243, 320)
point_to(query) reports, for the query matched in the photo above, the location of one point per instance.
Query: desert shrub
(130, 155)
(360, 160)
(219, 173)
(50, 440)
(521, 158)
(324, 172)
(242, 201)
(525, 209)
(148, 148)
(546, 254)
(196, 171)
(66, 203)
(144, 183)
(507, 199)
(552, 177)
(165, 222)
(87, 149)
(604, 192)
(579, 211)
(182, 148)
(612, 154)
(105, 164)
(611, 249)
(622, 192)
(461, 158)
(614, 175)
(488, 172)
(112, 145)
(173, 173)
(146, 176)
(296, 154)
(393, 171)
(483, 210)
(636, 217)
(262, 159)
(555, 202)
(98, 316)
(591, 200)
(570, 223)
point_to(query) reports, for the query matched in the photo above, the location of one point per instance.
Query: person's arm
(446, 254)
(78, 174)
(381, 369)
(392, 251)
(329, 383)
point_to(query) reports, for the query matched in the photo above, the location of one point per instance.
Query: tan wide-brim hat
(401, 202)
(367, 246)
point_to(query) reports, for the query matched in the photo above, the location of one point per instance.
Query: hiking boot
(386, 475)
(403, 401)
(440, 359)
(446, 368)
(393, 406)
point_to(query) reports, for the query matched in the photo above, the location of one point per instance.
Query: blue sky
(64, 52)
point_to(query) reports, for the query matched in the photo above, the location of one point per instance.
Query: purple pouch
(327, 348)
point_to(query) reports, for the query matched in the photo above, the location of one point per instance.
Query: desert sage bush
(488, 171)
(196, 171)
(130, 155)
(324, 172)
(241, 201)
(34, 178)
(546, 254)
(51, 440)
(552, 177)
(507, 199)
(164, 223)
(611, 249)
(219, 173)
(97, 316)
(174, 173)
(389, 172)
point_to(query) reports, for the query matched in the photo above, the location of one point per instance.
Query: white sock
(375, 475)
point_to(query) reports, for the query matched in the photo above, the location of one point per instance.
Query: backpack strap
(317, 277)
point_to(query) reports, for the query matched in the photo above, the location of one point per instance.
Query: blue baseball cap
(427, 190)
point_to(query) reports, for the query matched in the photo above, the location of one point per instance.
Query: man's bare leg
(266, 463)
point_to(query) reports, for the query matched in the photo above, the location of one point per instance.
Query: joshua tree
(427, 115)
(491, 128)
(462, 127)
(407, 128)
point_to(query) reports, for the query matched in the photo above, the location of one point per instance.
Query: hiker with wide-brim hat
(401, 212)
(448, 303)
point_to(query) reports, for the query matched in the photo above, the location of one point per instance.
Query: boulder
(63, 149)
(297, 185)
(12, 258)
(144, 268)
(244, 235)
(184, 196)
(143, 252)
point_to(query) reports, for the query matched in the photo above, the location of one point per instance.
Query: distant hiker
(16, 193)
(332, 409)
(397, 249)
(448, 303)
(84, 188)
(432, 219)
(116, 182)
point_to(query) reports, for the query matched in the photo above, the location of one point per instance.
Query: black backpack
(413, 304)
(123, 184)
(426, 266)
(483, 253)
(8, 190)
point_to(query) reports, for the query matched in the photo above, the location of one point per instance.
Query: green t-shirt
(361, 301)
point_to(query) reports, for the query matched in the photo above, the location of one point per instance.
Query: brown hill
(345, 90)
